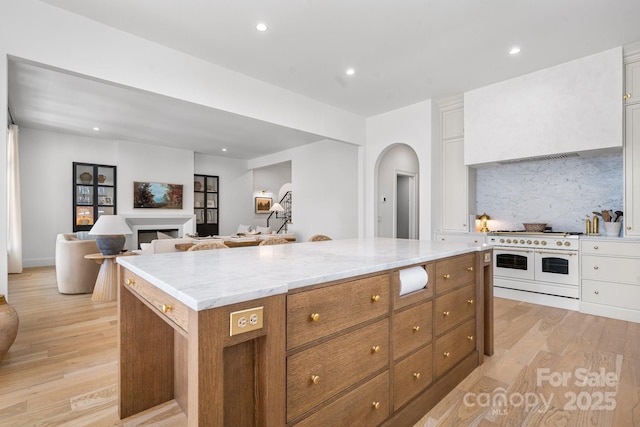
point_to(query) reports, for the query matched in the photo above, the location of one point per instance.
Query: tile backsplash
(559, 192)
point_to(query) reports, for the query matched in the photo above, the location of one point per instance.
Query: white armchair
(74, 273)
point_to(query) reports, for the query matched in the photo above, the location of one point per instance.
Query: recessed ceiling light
(350, 71)
(262, 27)
(96, 128)
(224, 149)
(514, 50)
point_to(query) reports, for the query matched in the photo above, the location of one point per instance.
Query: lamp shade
(109, 225)
(276, 207)
(110, 230)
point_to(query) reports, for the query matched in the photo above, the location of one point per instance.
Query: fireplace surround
(146, 224)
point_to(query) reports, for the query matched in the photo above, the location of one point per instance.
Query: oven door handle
(557, 253)
(526, 251)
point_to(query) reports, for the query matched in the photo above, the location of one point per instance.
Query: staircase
(278, 220)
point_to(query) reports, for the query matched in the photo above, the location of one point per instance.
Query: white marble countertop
(208, 279)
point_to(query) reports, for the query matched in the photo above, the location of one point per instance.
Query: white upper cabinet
(632, 85)
(572, 107)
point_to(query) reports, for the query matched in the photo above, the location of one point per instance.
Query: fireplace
(145, 227)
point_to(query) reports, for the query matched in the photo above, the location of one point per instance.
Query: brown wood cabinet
(348, 353)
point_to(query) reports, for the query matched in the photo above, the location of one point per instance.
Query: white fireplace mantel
(184, 223)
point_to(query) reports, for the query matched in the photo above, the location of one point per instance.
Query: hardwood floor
(62, 371)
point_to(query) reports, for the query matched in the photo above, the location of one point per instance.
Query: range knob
(501, 240)
(543, 243)
(536, 242)
(559, 243)
(528, 242)
(522, 241)
(508, 240)
(567, 243)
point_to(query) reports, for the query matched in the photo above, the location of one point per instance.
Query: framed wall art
(263, 204)
(157, 195)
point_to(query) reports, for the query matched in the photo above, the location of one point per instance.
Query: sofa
(74, 273)
(159, 246)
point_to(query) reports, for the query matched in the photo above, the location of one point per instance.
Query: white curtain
(14, 221)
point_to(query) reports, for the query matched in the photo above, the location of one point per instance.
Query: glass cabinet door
(94, 194)
(205, 204)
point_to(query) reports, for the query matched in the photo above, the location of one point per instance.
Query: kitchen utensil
(534, 226)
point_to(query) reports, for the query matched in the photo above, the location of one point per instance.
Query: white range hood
(572, 108)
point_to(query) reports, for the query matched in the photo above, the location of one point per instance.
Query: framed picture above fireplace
(157, 195)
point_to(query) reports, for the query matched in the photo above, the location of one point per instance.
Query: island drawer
(367, 405)
(412, 375)
(454, 272)
(167, 306)
(454, 307)
(412, 328)
(454, 346)
(317, 373)
(320, 312)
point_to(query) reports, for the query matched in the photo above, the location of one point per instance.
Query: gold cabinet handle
(166, 307)
(469, 268)
(375, 298)
(447, 276)
(130, 282)
(595, 247)
(596, 292)
(315, 379)
(446, 354)
(375, 349)
(446, 313)
(470, 337)
(416, 375)
(314, 317)
(626, 96)
(416, 328)
(375, 405)
(470, 301)
(628, 227)
(595, 267)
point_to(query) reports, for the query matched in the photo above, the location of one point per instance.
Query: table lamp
(483, 222)
(277, 207)
(110, 230)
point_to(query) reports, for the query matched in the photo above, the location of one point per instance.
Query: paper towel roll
(412, 279)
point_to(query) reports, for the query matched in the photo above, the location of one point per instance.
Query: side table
(106, 288)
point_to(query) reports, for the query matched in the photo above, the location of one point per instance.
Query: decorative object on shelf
(263, 205)
(536, 227)
(9, 322)
(110, 230)
(197, 185)
(86, 177)
(157, 195)
(483, 222)
(102, 178)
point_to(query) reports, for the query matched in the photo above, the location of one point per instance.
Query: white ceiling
(404, 51)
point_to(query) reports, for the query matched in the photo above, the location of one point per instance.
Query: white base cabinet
(610, 278)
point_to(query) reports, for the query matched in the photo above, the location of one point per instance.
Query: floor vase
(8, 326)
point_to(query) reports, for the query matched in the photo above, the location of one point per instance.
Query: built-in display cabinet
(94, 194)
(205, 201)
(632, 145)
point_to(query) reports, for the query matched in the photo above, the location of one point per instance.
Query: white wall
(409, 125)
(325, 188)
(235, 184)
(46, 166)
(561, 193)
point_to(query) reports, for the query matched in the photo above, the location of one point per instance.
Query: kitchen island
(302, 334)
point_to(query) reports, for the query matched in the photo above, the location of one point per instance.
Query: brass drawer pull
(596, 292)
(446, 354)
(166, 307)
(130, 282)
(470, 337)
(416, 375)
(375, 349)
(416, 328)
(595, 247)
(447, 276)
(375, 405)
(595, 267)
(375, 298)
(470, 301)
(469, 268)
(446, 313)
(315, 379)
(314, 317)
